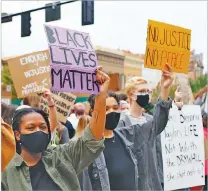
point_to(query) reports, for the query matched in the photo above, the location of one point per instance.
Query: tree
(198, 84)
(157, 90)
(6, 79)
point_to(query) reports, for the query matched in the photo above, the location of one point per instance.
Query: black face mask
(35, 142)
(112, 120)
(142, 100)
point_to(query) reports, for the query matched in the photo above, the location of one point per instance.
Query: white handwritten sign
(183, 148)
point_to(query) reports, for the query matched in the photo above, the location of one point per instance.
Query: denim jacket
(62, 163)
(139, 141)
(98, 172)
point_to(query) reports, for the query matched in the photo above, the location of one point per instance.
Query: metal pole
(37, 9)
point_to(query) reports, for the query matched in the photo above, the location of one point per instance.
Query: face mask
(35, 142)
(142, 100)
(112, 120)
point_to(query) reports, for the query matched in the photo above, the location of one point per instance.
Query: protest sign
(64, 79)
(6, 94)
(63, 103)
(183, 148)
(167, 44)
(30, 73)
(72, 56)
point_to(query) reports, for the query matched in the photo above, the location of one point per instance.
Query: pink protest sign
(70, 79)
(72, 57)
(71, 53)
(67, 38)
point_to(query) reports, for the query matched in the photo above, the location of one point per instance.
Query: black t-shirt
(120, 166)
(40, 179)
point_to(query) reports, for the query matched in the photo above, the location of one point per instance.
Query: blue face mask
(142, 100)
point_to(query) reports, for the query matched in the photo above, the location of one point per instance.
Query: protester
(83, 122)
(70, 129)
(7, 112)
(146, 129)
(204, 188)
(8, 147)
(34, 101)
(123, 97)
(205, 119)
(31, 100)
(59, 131)
(78, 111)
(124, 106)
(87, 107)
(107, 172)
(90, 100)
(57, 168)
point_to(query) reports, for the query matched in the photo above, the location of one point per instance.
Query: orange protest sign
(30, 73)
(167, 44)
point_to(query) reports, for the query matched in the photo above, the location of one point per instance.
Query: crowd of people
(110, 142)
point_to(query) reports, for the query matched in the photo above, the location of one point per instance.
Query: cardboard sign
(167, 44)
(71, 51)
(30, 73)
(63, 103)
(183, 148)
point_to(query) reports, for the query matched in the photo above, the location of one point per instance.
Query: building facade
(124, 63)
(196, 65)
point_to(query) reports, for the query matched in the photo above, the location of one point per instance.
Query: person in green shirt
(40, 168)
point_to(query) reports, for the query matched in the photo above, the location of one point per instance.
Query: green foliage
(6, 79)
(156, 93)
(199, 83)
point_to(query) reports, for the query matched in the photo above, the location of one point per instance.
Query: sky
(118, 24)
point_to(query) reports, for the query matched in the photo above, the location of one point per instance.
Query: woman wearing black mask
(41, 168)
(115, 169)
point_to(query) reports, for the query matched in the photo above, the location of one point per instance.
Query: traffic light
(87, 12)
(25, 24)
(52, 13)
(5, 20)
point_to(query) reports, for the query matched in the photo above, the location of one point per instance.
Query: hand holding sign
(167, 77)
(102, 79)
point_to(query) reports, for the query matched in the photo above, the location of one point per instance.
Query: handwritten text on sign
(30, 73)
(183, 148)
(167, 44)
(72, 50)
(63, 103)
(64, 79)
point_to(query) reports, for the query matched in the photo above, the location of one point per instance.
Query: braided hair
(18, 114)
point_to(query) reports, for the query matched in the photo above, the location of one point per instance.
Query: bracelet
(51, 105)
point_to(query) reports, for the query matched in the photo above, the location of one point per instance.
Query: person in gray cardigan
(138, 86)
